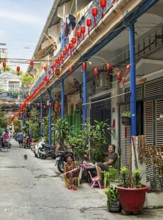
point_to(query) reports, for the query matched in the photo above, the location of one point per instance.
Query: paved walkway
(32, 190)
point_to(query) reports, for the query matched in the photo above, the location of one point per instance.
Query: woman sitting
(109, 161)
(70, 171)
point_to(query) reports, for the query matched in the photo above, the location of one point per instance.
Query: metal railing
(88, 14)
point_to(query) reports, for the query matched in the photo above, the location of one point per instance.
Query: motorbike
(43, 151)
(6, 143)
(27, 144)
(61, 159)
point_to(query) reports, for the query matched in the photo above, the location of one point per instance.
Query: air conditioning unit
(103, 82)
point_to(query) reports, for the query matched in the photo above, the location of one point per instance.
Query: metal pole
(132, 81)
(84, 96)
(49, 118)
(62, 99)
(41, 131)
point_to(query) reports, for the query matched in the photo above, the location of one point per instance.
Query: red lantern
(94, 14)
(57, 72)
(73, 40)
(71, 46)
(31, 62)
(49, 72)
(4, 65)
(57, 60)
(123, 80)
(128, 68)
(83, 66)
(83, 30)
(18, 69)
(67, 47)
(45, 68)
(108, 67)
(119, 76)
(103, 5)
(64, 52)
(113, 1)
(95, 72)
(89, 24)
(70, 70)
(78, 33)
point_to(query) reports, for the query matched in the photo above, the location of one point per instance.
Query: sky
(21, 24)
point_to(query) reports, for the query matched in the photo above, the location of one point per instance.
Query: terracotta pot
(132, 199)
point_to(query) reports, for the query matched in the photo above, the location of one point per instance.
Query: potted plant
(110, 176)
(113, 204)
(131, 192)
(126, 118)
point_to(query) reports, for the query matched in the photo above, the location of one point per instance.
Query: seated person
(110, 161)
(87, 162)
(70, 171)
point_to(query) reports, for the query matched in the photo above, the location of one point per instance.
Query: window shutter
(148, 121)
(159, 123)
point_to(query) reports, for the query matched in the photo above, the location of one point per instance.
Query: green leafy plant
(34, 124)
(112, 195)
(110, 176)
(126, 114)
(61, 131)
(128, 180)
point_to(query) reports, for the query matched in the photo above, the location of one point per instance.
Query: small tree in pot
(131, 191)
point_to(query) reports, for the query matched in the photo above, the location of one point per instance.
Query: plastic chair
(94, 182)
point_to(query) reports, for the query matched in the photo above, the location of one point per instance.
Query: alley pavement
(32, 189)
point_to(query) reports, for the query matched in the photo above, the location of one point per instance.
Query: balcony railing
(88, 14)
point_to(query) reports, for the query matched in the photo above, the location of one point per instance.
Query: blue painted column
(62, 99)
(84, 95)
(49, 118)
(41, 130)
(132, 81)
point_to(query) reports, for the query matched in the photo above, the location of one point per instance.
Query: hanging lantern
(45, 68)
(83, 30)
(57, 72)
(4, 65)
(57, 60)
(108, 67)
(71, 46)
(70, 70)
(78, 34)
(64, 52)
(67, 47)
(18, 69)
(94, 14)
(95, 72)
(89, 24)
(103, 5)
(49, 72)
(113, 1)
(73, 40)
(128, 68)
(83, 66)
(123, 80)
(119, 76)
(31, 62)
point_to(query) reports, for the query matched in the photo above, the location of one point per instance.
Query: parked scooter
(43, 151)
(61, 159)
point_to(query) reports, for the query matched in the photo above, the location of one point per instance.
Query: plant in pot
(113, 204)
(131, 192)
(110, 176)
(126, 118)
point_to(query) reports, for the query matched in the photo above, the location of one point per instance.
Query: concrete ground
(33, 190)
